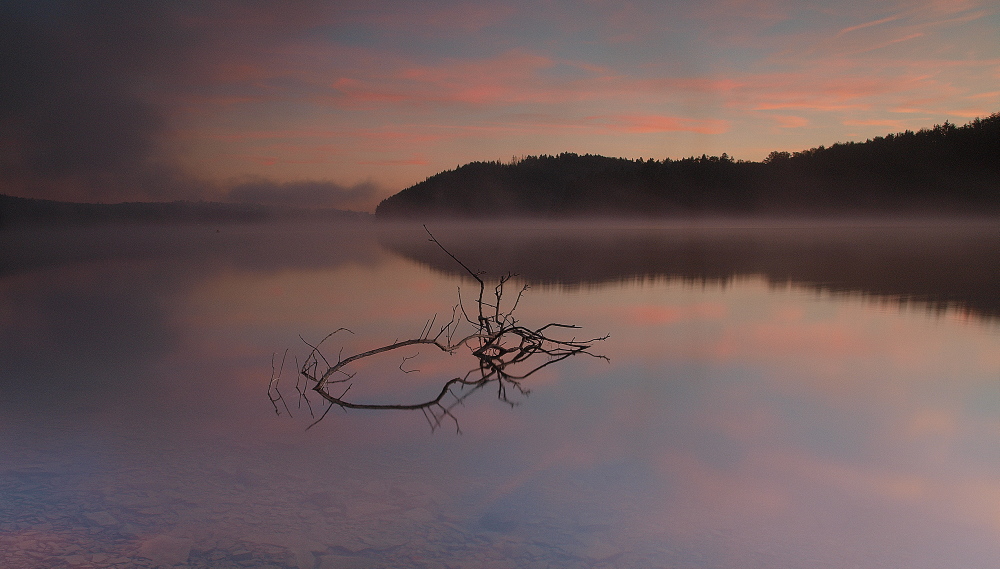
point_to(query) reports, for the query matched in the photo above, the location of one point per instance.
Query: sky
(343, 103)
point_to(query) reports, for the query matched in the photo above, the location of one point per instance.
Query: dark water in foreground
(776, 397)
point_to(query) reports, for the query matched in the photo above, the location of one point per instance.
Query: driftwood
(504, 354)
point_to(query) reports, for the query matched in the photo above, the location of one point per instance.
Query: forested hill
(946, 168)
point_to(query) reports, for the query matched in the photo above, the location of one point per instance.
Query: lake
(776, 394)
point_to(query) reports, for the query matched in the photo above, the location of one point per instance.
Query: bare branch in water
(503, 352)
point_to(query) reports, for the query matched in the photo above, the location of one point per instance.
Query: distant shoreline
(18, 211)
(29, 212)
(946, 170)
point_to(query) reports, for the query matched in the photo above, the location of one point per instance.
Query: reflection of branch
(404, 361)
(272, 386)
(504, 352)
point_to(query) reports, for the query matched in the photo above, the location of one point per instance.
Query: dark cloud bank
(89, 90)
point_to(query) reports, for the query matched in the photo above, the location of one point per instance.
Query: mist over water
(937, 263)
(780, 394)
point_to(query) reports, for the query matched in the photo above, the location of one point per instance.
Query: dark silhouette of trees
(947, 167)
(504, 354)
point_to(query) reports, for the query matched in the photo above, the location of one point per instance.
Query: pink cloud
(253, 135)
(509, 78)
(814, 105)
(515, 77)
(869, 24)
(807, 91)
(660, 123)
(896, 124)
(358, 91)
(791, 121)
(412, 161)
(989, 95)
(881, 45)
(417, 135)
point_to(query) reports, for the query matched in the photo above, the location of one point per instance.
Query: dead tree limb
(503, 352)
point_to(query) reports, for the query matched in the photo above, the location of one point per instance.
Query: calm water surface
(775, 397)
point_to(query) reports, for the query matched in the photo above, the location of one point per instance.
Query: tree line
(944, 168)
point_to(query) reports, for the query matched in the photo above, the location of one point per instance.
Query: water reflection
(483, 329)
(937, 263)
(740, 423)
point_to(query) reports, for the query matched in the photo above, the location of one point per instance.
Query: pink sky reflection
(745, 419)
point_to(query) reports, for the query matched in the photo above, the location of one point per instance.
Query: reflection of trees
(932, 263)
(503, 351)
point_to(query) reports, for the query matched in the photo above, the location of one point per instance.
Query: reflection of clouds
(798, 419)
(774, 340)
(855, 334)
(652, 315)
